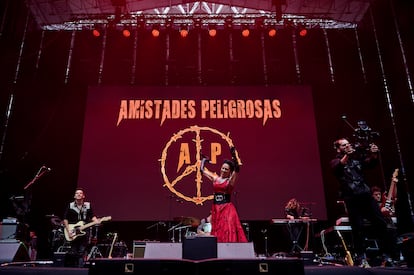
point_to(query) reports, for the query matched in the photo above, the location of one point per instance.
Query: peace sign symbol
(173, 184)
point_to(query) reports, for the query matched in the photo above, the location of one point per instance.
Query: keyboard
(286, 221)
(345, 221)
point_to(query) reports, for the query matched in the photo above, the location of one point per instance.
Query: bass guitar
(77, 228)
(391, 193)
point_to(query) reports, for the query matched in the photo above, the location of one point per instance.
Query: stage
(194, 256)
(209, 266)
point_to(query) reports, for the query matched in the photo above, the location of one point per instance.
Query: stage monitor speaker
(235, 251)
(8, 231)
(155, 250)
(66, 259)
(138, 249)
(13, 252)
(200, 248)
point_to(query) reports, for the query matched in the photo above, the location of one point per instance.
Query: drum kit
(185, 227)
(57, 236)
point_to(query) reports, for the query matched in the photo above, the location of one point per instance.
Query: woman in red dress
(225, 221)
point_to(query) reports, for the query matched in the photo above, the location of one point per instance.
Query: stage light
(212, 31)
(302, 30)
(96, 32)
(245, 31)
(183, 31)
(155, 31)
(126, 32)
(272, 32)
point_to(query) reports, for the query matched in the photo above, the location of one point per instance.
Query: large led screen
(142, 147)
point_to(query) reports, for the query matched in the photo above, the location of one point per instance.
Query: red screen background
(120, 167)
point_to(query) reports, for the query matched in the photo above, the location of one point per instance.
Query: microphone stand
(264, 232)
(179, 231)
(153, 225)
(172, 229)
(38, 175)
(157, 228)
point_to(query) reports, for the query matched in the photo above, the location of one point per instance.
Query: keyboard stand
(295, 231)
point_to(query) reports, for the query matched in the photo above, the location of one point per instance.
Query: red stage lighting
(245, 32)
(302, 31)
(272, 32)
(184, 31)
(96, 33)
(126, 33)
(155, 32)
(212, 31)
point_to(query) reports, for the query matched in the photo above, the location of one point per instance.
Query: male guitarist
(388, 212)
(78, 211)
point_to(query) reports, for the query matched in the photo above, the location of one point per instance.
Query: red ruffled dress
(225, 221)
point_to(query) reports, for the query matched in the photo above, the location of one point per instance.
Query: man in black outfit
(348, 167)
(78, 211)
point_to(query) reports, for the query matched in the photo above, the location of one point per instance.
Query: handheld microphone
(205, 158)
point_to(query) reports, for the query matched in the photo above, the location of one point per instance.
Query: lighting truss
(201, 12)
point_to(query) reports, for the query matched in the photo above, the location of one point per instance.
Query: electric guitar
(112, 245)
(389, 201)
(348, 257)
(77, 228)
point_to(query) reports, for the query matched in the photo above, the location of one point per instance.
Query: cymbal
(56, 221)
(51, 216)
(188, 221)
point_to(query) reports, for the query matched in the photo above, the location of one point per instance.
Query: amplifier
(138, 248)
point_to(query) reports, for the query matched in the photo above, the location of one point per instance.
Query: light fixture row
(212, 30)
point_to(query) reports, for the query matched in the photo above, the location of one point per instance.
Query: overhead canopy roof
(58, 14)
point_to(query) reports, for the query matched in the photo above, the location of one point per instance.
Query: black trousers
(362, 207)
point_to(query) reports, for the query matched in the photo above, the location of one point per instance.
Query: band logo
(140, 109)
(188, 167)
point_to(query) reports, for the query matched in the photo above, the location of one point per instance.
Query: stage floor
(214, 266)
(309, 270)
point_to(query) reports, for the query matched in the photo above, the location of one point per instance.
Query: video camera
(364, 135)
